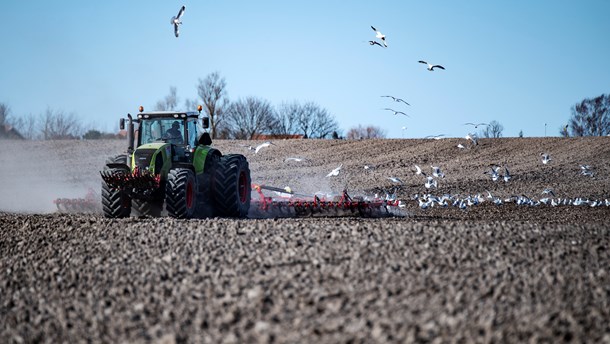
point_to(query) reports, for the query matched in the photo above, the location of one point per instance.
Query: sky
(521, 63)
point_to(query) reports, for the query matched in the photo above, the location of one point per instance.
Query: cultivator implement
(139, 181)
(88, 204)
(286, 203)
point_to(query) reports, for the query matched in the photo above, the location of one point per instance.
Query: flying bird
(397, 112)
(380, 36)
(418, 170)
(263, 145)
(335, 172)
(546, 158)
(395, 180)
(436, 137)
(473, 138)
(397, 99)
(176, 20)
(376, 43)
(431, 67)
(295, 159)
(507, 175)
(476, 125)
(430, 182)
(548, 192)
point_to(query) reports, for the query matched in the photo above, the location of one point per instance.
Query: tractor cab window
(165, 129)
(193, 131)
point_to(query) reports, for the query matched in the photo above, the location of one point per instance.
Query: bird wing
(438, 66)
(469, 123)
(372, 27)
(176, 31)
(402, 113)
(400, 100)
(424, 62)
(181, 12)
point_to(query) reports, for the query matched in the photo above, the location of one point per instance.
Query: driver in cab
(173, 134)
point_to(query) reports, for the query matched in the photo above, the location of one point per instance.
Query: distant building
(7, 132)
(276, 137)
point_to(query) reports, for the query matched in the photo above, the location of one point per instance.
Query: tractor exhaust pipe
(130, 134)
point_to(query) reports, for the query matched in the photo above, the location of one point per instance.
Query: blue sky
(521, 63)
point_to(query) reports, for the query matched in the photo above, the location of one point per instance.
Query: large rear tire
(232, 186)
(115, 203)
(181, 193)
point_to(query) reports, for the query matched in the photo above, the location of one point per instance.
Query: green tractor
(174, 170)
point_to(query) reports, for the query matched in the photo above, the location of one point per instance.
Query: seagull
(430, 183)
(436, 171)
(375, 43)
(545, 158)
(397, 112)
(263, 145)
(335, 172)
(431, 67)
(395, 180)
(548, 192)
(494, 172)
(476, 125)
(507, 175)
(436, 137)
(586, 170)
(176, 20)
(404, 128)
(295, 159)
(460, 146)
(397, 99)
(473, 138)
(380, 36)
(418, 170)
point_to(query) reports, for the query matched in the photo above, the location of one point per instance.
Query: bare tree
(170, 102)
(212, 91)
(57, 125)
(492, 130)
(27, 126)
(288, 115)
(316, 122)
(591, 117)
(248, 117)
(370, 132)
(4, 114)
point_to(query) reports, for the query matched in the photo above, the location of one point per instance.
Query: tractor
(170, 168)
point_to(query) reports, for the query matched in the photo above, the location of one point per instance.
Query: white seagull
(397, 112)
(476, 125)
(507, 175)
(295, 159)
(263, 145)
(380, 36)
(431, 66)
(335, 172)
(460, 146)
(436, 171)
(418, 170)
(546, 158)
(436, 137)
(397, 99)
(473, 138)
(176, 20)
(395, 180)
(586, 170)
(430, 182)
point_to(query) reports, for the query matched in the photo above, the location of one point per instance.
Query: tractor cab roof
(167, 114)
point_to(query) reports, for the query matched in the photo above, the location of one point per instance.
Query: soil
(488, 273)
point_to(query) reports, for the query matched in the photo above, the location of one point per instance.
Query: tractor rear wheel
(115, 203)
(181, 193)
(232, 186)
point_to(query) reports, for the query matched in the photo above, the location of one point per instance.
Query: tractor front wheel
(181, 193)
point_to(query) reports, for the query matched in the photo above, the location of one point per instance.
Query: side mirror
(122, 123)
(205, 122)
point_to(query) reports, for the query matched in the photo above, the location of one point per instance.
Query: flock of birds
(495, 172)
